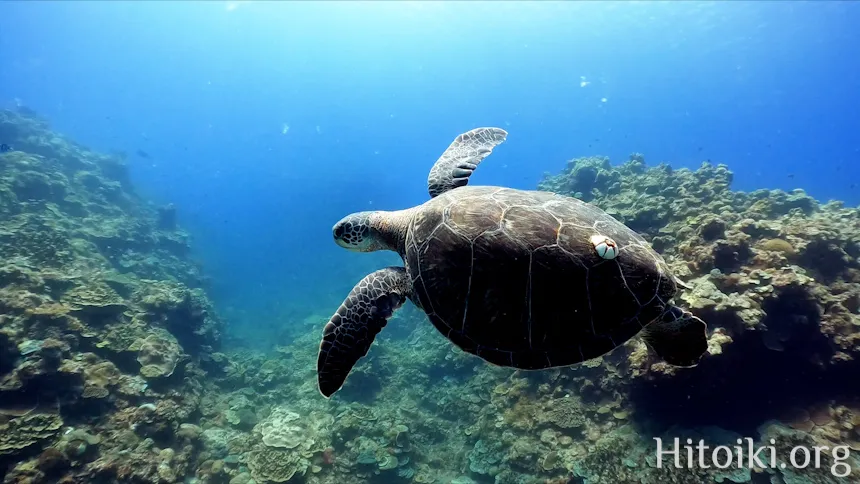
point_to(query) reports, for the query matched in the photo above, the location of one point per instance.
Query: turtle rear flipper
(677, 337)
(350, 331)
(457, 163)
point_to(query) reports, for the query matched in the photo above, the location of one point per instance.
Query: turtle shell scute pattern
(513, 277)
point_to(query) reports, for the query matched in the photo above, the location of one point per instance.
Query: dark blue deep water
(265, 122)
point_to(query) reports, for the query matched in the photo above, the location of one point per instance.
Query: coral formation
(81, 254)
(157, 354)
(275, 465)
(20, 433)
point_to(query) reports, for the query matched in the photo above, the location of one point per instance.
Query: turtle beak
(341, 232)
(337, 233)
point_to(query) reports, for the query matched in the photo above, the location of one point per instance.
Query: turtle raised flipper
(677, 337)
(457, 163)
(351, 330)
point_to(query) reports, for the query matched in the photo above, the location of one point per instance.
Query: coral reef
(105, 330)
(112, 370)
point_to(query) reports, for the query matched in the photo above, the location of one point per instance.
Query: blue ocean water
(265, 122)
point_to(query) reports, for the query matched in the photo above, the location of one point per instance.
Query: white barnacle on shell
(604, 246)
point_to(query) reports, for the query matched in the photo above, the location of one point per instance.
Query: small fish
(4, 148)
(142, 154)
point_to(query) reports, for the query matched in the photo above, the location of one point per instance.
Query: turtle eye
(338, 231)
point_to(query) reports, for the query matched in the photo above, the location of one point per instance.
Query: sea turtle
(523, 279)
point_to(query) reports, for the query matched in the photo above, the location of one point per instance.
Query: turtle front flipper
(351, 330)
(457, 163)
(678, 337)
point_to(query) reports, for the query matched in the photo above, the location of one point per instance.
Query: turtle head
(357, 232)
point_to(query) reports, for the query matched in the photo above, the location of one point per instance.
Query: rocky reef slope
(105, 332)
